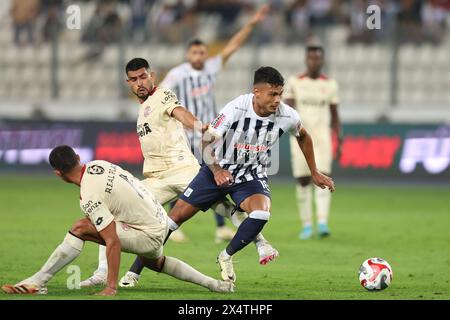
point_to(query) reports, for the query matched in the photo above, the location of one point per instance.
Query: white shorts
(322, 151)
(141, 242)
(167, 185)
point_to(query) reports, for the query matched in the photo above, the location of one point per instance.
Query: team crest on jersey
(147, 111)
(95, 169)
(216, 123)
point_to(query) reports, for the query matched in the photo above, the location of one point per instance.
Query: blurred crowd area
(404, 64)
(177, 21)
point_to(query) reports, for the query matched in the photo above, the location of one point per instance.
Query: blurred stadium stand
(77, 75)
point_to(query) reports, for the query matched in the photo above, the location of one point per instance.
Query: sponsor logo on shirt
(99, 221)
(143, 129)
(168, 96)
(216, 123)
(90, 206)
(251, 147)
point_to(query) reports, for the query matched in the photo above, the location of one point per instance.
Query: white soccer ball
(375, 274)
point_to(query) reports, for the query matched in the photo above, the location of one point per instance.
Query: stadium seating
(363, 71)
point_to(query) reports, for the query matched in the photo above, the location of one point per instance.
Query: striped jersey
(248, 139)
(195, 88)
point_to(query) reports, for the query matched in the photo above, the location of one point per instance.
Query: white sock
(102, 260)
(172, 225)
(181, 270)
(64, 254)
(323, 199)
(304, 200)
(225, 254)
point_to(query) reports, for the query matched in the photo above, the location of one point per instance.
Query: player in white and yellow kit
(120, 213)
(315, 97)
(169, 165)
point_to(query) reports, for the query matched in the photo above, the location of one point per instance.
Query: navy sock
(137, 266)
(245, 234)
(220, 221)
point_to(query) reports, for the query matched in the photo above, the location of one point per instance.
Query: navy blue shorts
(203, 191)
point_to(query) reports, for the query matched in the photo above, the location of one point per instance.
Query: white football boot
(97, 279)
(129, 280)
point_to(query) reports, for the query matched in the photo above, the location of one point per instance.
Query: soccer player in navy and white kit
(193, 83)
(237, 152)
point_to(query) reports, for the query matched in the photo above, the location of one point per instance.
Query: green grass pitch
(407, 226)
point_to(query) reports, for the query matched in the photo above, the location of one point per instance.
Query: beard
(142, 93)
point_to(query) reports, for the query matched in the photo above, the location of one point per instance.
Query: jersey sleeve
(170, 101)
(214, 64)
(95, 209)
(170, 80)
(295, 124)
(223, 121)
(334, 96)
(289, 92)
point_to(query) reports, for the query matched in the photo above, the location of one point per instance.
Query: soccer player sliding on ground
(237, 151)
(120, 214)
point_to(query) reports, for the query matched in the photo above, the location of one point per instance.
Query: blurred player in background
(237, 153)
(169, 164)
(193, 83)
(315, 97)
(122, 214)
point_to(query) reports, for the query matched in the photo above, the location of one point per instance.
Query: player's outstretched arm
(113, 250)
(305, 143)
(188, 120)
(241, 36)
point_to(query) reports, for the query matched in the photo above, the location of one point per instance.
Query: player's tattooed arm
(221, 176)
(305, 143)
(188, 120)
(241, 36)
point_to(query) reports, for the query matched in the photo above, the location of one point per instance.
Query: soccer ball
(375, 274)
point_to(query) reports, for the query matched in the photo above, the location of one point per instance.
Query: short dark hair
(195, 42)
(137, 63)
(63, 158)
(268, 75)
(315, 48)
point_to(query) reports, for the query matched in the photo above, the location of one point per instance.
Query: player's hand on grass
(108, 291)
(223, 177)
(260, 14)
(323, 181)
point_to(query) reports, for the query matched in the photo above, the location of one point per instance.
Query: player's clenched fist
(323, 181)
(223, 177)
